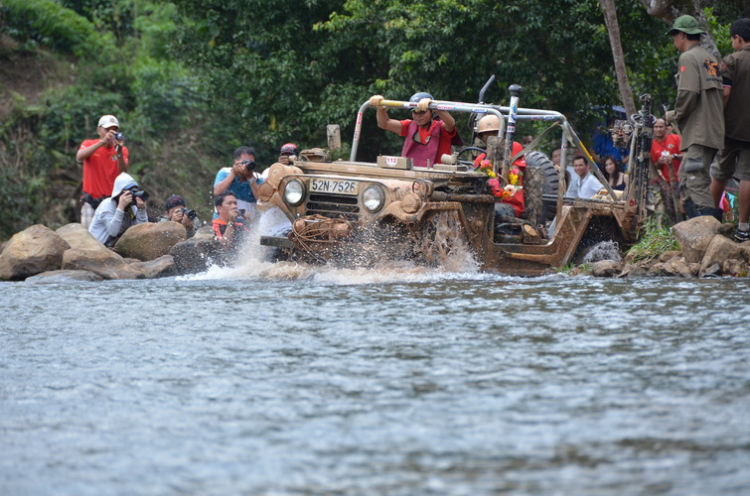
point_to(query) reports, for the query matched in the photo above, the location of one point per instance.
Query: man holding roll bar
(427, 138)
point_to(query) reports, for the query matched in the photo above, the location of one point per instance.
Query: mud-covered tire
(540, 178)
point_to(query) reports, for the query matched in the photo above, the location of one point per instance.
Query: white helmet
(488, 123)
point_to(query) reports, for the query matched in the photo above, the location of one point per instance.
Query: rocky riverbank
(145, 251)
(148, 251)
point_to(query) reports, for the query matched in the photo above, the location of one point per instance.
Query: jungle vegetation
(190, 80)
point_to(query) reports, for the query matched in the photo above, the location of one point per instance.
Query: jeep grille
(333, 206)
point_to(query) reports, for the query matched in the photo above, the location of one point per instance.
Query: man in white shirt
(584, 184)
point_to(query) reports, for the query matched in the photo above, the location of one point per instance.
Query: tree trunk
(613, 28)
(664, 10)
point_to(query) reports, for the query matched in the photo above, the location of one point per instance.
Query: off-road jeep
(351, 213)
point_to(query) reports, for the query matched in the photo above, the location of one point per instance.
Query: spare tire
(540, 178)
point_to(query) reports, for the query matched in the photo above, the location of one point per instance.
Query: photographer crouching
(175, 210)
(115, 215)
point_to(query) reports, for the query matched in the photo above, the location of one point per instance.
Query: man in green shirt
(735, 157)
(699, 115)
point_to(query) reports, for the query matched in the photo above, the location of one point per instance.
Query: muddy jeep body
(394, 209)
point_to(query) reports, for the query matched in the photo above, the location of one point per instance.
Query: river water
(292, 380)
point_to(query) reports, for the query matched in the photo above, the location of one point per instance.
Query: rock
(633, 271)
(161, 267)
(194, 255)
(150, 241)
(62, 276)
(694, 268)
(712, 271)
(694, 236)
(734, 268)
(676, 266)
(79, 238)
(657, 270)
(605, 268)
(726, 230)
(32, 251)
(664, 257)
(720, 250)
(205, 232)
(104, 262)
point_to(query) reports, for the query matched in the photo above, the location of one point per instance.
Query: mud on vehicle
(348, 212)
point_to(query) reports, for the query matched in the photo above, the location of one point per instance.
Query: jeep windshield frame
(509, 115)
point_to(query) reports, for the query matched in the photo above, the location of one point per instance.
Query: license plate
(336, 186)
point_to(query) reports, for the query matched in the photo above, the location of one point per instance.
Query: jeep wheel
(541, 178)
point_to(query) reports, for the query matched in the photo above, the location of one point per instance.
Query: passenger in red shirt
(427, 138)
(103, 160)
(489, 125)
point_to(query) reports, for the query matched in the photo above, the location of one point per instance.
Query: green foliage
(48, 23)
(655, 241)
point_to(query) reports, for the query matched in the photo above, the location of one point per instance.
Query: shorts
(735, 161)
(694, 178)
(87, 215)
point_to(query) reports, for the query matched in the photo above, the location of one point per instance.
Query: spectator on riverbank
(735, 157)
(242, 180)
(288, 152)
(229, 228)
(175, 210)
(665, 155)
(698, 114)
(103, 159)
(115, 215)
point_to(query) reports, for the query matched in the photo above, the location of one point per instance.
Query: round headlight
(294, 192)
(373, 198)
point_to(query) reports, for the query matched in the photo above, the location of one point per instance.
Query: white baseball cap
(108, 121)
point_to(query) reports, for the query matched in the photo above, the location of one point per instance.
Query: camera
(249, 165)
(138, 193)
(191, 214)
(119, 136)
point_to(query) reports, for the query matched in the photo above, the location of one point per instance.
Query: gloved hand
(424, 104)
(375, 101)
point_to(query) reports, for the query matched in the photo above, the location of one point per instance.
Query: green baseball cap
(686, 24)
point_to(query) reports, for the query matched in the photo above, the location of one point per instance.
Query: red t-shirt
(671, 146)
(444, 147)
(100, 169)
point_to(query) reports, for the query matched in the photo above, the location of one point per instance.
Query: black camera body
(119, 136)
(249, 165)
(138, 193)
(191, 214)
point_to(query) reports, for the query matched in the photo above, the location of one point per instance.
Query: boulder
(719, 251)
(63, 276)
(194, 255)
(161, 267)
(667, 255)
(606, 268)
(150, 241)
(676, 266)
(694, 236)
(79, 238)
(657, 269)
(205, 232)
(107, 264)
(32, 251)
